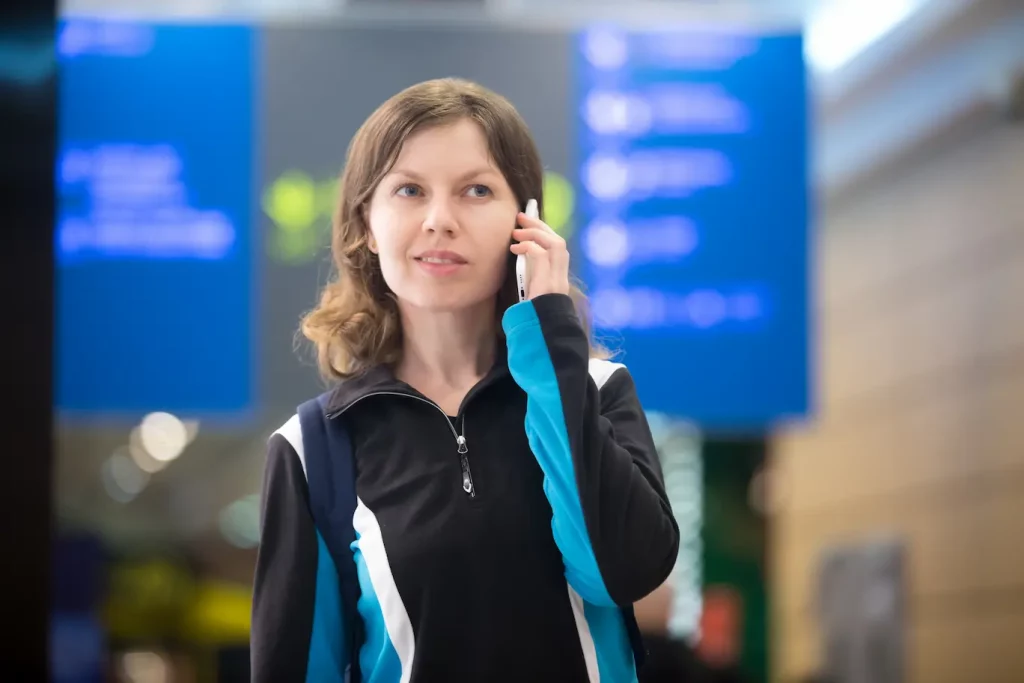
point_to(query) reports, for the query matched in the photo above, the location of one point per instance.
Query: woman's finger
(548, 240)
(530, 222)
(529, 248)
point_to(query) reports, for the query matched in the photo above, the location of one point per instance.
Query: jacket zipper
(460, 439)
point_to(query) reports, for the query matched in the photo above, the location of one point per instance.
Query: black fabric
(480, 577)
(636, 639)
(672, 661)
(284, 588)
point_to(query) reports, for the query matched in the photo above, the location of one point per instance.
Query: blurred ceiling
(837, 29)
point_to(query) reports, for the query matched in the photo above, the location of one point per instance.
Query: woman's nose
(440, 216)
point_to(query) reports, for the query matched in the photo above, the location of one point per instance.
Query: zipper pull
(463, 448)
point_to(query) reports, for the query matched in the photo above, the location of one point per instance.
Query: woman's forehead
(458, 149)
(459, 138)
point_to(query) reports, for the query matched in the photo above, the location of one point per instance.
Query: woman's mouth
(440, 263)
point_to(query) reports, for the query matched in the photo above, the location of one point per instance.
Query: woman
(510, 499)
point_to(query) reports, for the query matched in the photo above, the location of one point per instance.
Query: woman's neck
(445, 354)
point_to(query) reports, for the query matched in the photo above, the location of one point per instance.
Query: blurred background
(800, 222)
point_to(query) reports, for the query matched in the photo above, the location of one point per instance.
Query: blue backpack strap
(330, 473)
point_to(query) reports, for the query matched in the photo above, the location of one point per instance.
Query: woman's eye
(479, 191)
(408, 191)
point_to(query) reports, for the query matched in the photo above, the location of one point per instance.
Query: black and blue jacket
(498, 544)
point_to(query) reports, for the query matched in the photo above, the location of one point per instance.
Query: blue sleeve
(611, 518)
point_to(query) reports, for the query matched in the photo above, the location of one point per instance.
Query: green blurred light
(559, 203)
(291, 201)
(296, 204)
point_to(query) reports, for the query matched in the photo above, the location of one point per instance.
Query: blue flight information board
(155, 186)
(693, 217)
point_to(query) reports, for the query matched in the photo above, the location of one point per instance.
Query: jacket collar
(381, 379)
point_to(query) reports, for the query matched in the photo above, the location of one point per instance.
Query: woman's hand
(546, 254)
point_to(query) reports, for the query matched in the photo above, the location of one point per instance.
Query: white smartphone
(522, 266)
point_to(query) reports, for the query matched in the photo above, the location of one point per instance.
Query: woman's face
(442, 219)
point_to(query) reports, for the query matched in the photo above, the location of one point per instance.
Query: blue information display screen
(155, 185)
(693, 217)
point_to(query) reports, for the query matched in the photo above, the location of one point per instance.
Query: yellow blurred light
(220, 613)
(291, 201)
(297, 205)
(559, 203)
(145, 599)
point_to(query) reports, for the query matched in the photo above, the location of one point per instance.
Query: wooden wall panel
(920, 431)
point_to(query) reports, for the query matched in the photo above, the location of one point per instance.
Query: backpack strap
(330, 474)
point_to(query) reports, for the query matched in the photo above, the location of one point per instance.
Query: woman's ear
(371, 243)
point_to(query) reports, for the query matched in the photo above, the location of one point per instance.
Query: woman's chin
(448, 299)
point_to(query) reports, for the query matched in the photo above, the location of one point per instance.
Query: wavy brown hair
(356, 325)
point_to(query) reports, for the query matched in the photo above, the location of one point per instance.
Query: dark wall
(27, 127)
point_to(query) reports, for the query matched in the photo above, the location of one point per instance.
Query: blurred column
(27, 122)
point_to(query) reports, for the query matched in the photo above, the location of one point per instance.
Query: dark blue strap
(330, 474)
